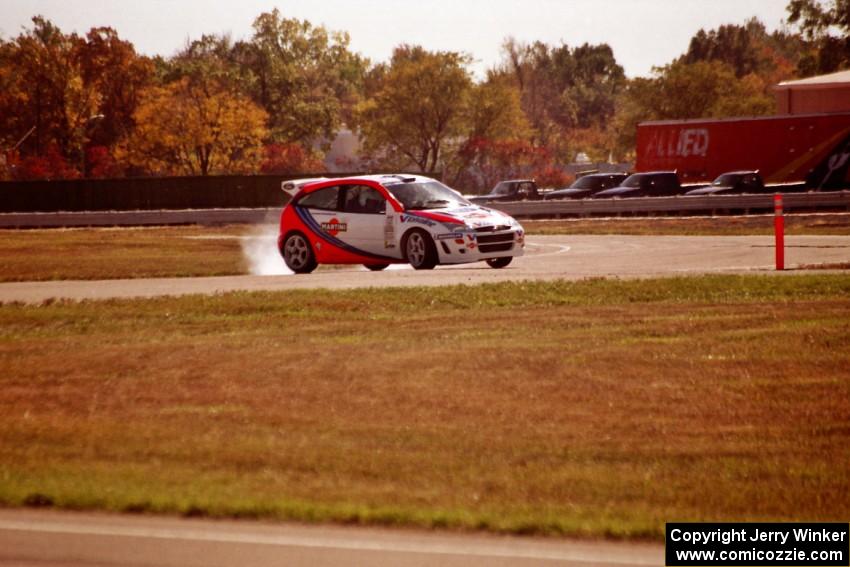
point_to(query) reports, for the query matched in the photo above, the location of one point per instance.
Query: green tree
(564, 88)
(417, 112)
(705, 89)
(304, 76)
(827, 26)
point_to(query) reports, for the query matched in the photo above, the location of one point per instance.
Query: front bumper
(481, 244)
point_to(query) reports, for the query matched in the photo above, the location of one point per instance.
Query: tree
(75, 92)
(43, 87)
(705, 89)
(827, 27)
(195, 129)
(112, 67)
(285, 159)
(417, 110)
(305, 77)
(563, 89)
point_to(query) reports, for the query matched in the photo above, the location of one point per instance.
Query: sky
(642, 33)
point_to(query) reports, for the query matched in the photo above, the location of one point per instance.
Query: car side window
(363, 200)
(326, 199)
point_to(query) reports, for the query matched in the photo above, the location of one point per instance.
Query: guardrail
(711, 204)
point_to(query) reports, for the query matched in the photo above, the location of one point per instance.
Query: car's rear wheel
(376, 267)
(499, 262)
(298, 254)
(419, 250)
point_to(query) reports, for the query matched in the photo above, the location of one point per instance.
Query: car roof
(383, 179)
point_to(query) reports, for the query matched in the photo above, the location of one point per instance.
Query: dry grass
(589, 408)
(98, 253)
(797, 224)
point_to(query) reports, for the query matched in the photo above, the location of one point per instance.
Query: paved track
(30, 538)
(548, 258)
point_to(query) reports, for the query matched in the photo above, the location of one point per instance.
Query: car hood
(470, 215)
(710, 190)
(568, 192)
(617, 191)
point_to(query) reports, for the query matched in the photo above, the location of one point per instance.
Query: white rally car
(378, 220)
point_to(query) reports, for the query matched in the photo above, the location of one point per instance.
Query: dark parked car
(649, 184)
(588, 185)
(510, 190)
(733, 183)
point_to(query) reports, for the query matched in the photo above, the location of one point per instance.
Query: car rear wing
(293, 186)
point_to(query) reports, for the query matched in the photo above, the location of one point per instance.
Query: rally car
(378, 220)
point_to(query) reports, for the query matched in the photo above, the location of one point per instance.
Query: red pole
(779, 231)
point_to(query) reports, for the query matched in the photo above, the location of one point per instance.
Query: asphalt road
(33, 538)
(548, 258)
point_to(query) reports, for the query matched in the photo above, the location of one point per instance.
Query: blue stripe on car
(316, 228)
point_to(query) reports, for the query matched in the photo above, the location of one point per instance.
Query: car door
(364, 212)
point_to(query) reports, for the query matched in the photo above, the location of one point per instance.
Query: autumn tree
(827, 26)
(69, 93)
(417, 112)
(195, 128)
(113, 68)
(44, 92)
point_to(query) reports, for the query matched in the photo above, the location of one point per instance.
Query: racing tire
(499, 262)
(298, 254)
(419, 250)
(376, 267)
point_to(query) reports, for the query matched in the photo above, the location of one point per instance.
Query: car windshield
(426, 195)
(632, 181)
(726, 179)
(585, 183)
(503, 188)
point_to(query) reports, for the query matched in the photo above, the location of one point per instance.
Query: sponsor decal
(389, 232)
(449, 236)
(416, 219)
(334, 227)
(686, 142)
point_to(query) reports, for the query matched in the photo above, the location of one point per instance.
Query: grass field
(89, 254)
(595, 408)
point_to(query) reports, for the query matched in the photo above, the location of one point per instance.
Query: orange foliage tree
(195, 129)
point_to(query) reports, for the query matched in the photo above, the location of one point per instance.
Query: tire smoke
(259, 248)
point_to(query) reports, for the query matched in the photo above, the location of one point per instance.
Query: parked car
(510, 190)
(378, 220)
(587, 185)
(649, 184)
(733, 183)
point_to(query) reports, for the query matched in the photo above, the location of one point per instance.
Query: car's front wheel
(298, 254)
(419, 250)
(499, 262)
